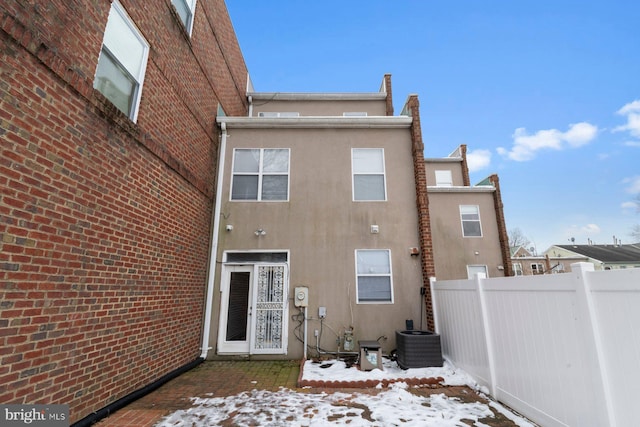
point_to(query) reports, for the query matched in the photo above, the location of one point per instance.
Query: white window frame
(444, 178)
(463, 220)
(355, 173)
(110, 51)
(388, 274)
(471, 274)
(260, 174)
(278, 114)
(535, 269)
(190, 6)
(517, 269)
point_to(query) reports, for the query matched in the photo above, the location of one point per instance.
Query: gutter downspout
(214, 244)
(250, 98)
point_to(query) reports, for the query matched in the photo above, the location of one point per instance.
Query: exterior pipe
(126, 400)
(305, 333)
(250, 99)
(214, 244)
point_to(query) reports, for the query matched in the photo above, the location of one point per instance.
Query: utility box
(370, 355)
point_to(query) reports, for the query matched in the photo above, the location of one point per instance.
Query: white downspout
(214, 244)
(250, 98)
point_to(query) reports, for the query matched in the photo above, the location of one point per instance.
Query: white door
(235, 313)
(253, 316)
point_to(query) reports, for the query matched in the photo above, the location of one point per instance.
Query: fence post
(479, 278)
(434, 305)
(581, 269)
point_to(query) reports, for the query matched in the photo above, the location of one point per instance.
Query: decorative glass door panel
(269, 310)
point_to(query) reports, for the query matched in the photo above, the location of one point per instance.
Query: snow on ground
(336, 370)
(394, 405)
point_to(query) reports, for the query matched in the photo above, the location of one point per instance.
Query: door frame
(233, 347)
(246, 347)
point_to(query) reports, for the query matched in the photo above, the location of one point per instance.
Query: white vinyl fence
(562, 349)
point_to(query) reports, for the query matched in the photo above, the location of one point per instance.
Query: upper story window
(122, 62)
(373, 276)
(470, 217)
(185, 9)
(260, 174)
(444, 178)
(278, 114)
(368, 174)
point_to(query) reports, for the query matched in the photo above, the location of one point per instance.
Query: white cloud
(629, 207)
(633, 184)
(525, 146)
(478, 160)
(587, 230)
(632, 112)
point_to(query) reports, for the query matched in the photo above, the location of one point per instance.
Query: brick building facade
(105, 221)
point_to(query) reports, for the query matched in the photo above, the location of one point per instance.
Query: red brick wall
(105, 224)
(424, 221)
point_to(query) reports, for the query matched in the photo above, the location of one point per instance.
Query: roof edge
(317, 96)
(315, 122)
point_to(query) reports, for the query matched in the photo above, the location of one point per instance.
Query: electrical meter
(301, 296)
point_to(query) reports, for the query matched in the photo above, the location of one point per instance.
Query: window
(444, 179)
(122, 62)
(470, 216)
(537, 268)
(272, 114)
(185, 9)
(517, 269)
(373, 276)
(472, 270)
(368, 174)
(260, 174)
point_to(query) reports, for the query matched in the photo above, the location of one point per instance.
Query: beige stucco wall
(454, 252)
(320, 107)
(453, 165)
(322, 227)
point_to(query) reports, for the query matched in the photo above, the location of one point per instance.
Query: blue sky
(544, 93)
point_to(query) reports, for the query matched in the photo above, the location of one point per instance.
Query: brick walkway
(228, 378)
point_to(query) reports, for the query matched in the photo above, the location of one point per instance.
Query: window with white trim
(517, 269)
(537, 268)
(122, 62)
(185, 9)
(373, 276)
(260, 174)
(368, 174)
(472, 270)
(470, 218)
(444, 178)
(272, 114)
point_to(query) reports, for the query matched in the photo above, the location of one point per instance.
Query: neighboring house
(108, 138)
(603, 257)
(527, 264)
(319, 191)
(467, 222)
